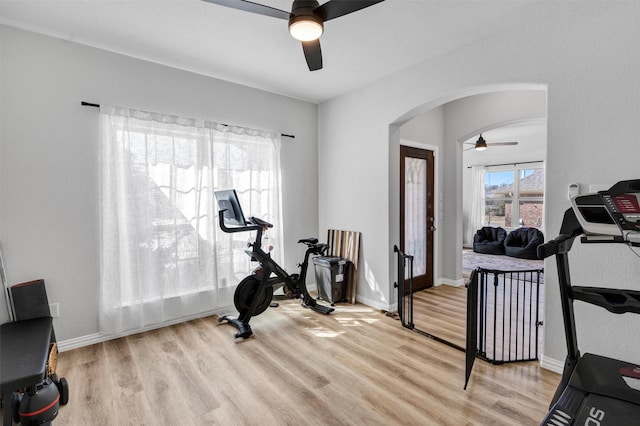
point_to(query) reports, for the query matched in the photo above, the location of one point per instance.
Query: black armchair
(523, 243)
(489, 240)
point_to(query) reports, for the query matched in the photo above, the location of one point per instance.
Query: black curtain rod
(510, 164)
(83, 103)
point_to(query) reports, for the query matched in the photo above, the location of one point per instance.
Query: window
(163, 256)
(514, 197)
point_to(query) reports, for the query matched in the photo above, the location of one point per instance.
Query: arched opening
(444, 126)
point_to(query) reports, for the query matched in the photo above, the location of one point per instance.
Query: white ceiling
(516, 130)
(257, 51)
(531, 136)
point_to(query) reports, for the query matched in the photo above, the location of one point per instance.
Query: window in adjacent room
(514, 196)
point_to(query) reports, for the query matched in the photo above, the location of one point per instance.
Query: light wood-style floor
(356, 366)
(442, 312)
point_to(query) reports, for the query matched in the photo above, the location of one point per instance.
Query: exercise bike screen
(228, 201)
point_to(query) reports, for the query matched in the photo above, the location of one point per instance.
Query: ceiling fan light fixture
(481, 144)
(305, 28)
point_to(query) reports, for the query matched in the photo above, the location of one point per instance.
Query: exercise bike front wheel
(246, 292)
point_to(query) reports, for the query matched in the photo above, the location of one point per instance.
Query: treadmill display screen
(626, 203)
(624, 209)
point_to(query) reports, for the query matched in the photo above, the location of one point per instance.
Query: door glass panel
(415, 216)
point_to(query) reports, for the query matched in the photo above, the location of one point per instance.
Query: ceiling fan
(481, 144)
(306, 20)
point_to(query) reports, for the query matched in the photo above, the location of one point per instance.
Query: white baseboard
(393, 307)
(377, 304)
(79, 342)
(454, 283)
(551, 364)
(92, 339)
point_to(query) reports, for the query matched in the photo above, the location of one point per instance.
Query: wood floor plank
(356, 366)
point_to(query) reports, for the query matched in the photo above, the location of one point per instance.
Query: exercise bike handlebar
(260, 222)
(245, 228)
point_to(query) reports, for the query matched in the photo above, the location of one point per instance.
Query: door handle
(432, 228)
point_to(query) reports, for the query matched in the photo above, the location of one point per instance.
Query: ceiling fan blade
(249, 6)
(313, 54)
(337, 8)
(502, 143)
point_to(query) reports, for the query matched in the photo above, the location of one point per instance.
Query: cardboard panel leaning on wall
(49, 164)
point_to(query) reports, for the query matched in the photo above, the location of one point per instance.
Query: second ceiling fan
(306, 20)
(481, 144)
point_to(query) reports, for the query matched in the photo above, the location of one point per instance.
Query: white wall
(49, 157)
(584, 53)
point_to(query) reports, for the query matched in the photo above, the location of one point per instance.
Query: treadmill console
(613, 214)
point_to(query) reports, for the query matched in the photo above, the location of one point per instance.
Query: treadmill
(596, 390)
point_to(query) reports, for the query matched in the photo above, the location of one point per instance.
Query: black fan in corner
(306, 20)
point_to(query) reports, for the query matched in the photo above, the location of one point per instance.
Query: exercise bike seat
(308, 241)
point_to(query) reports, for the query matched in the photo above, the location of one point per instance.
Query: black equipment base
(244, 329)
(598, 394)
(311, 304)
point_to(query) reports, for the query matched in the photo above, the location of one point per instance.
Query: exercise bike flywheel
(245, 293)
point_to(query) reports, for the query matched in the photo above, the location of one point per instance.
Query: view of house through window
(514, 197)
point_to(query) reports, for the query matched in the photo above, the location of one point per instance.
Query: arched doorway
(443, 125)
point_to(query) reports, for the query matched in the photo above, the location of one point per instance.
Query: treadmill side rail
(617, 301)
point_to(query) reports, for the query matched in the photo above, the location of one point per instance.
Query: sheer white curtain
(248, 161)
(162, 255)
(476, 215)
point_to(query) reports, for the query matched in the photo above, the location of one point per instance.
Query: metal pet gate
(405, 297)
(405, 288)
(503, 317)
(508, 315)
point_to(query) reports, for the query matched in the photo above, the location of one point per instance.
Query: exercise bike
(254, 293)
